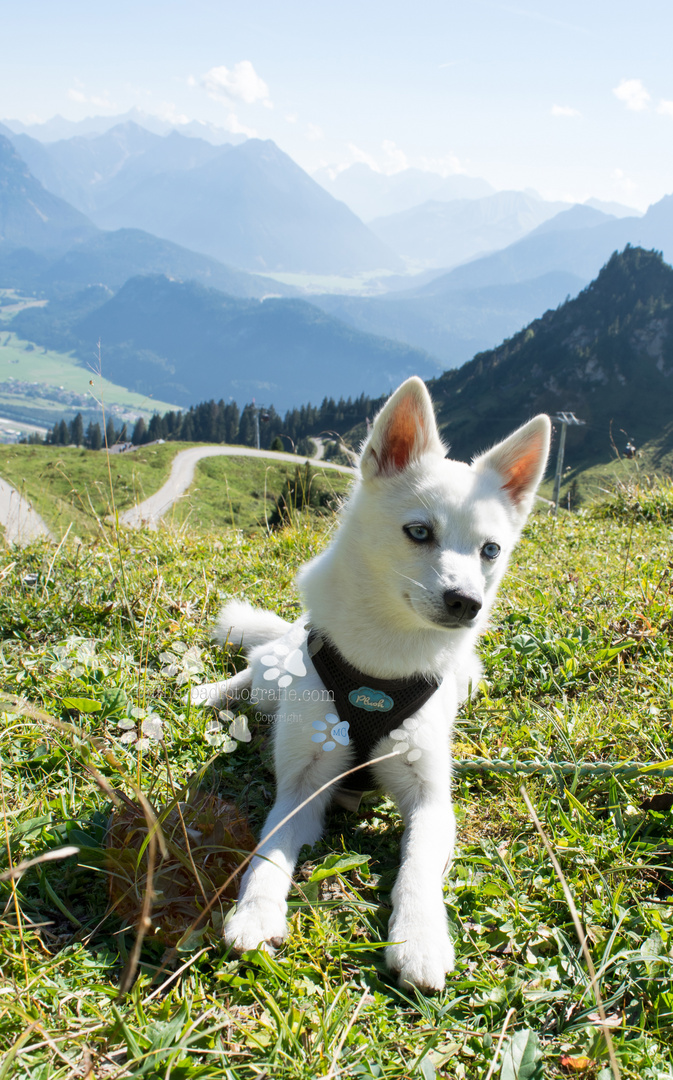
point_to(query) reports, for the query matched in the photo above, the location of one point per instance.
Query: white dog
(394, 607)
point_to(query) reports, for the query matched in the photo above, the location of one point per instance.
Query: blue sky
(572, 99)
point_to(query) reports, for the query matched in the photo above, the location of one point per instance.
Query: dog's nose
(461, 606)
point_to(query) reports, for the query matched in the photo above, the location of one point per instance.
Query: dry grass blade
(144, 922)
(17, 909)
(501, 1039)
(579, 929)
(342, 1040)
(47, 856)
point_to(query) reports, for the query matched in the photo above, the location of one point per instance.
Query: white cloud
(314, 133)
(240, 83)
(448, 165)
(167, 111)
(396, 159)
(291, 118)
(665, 108)
(564, 110)
(233, 124)
(633, 94)
(101, 101)
(393, 160)
(359, 155)
(623, 182)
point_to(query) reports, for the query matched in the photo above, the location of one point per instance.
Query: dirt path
(150, 512)
(20, 522)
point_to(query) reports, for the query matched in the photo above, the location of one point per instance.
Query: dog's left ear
(403, 430)
(520, 461)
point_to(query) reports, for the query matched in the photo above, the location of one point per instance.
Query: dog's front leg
(260, 916)
(421, 949)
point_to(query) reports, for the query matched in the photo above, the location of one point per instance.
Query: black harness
(372, 707)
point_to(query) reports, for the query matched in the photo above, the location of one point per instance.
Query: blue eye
(491, 551)
(421, 534)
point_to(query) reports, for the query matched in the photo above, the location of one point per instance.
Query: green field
(103, 640)
(70, 485)
(63, 385)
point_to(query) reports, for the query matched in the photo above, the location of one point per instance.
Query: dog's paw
(420, 957)
(257, 924)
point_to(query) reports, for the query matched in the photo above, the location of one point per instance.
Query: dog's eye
(420, 533)
(491, 551)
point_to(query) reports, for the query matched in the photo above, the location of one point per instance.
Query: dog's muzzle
(462, 608)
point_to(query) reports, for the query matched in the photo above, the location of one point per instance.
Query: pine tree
(247, 429)
(94, 437)
(76, 432)
(139, 432)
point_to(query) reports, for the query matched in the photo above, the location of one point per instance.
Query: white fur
(381, 598)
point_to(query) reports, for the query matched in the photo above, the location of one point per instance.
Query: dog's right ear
(403, 430)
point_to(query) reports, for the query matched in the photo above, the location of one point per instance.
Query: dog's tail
(243, 626)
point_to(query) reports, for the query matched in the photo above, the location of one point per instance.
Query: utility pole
(255, 412)
(564, 419)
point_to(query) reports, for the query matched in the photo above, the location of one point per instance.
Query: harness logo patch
(371, 700)
(339, 732)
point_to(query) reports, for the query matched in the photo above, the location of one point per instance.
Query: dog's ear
(403, 430)
(520, 461)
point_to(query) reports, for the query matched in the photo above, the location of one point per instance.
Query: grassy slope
(66, 484)
(578, 587)
(65, 383)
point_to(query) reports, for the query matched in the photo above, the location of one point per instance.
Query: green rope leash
(626, 770)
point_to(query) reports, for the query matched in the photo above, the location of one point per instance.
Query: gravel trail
(20, 522)
(150, 512)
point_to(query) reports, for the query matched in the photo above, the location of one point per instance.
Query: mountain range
(31, 216)
(248, 205)
(182, 342)
(606, 355)
(372, 194)
(270, 344)
(477, 304)
(444, 234)
(49, 131)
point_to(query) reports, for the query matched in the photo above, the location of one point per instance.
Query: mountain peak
(607, 355)
(30, 216)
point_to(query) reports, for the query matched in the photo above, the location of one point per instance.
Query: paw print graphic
(401, 735)
(339, 732)
(283, 665)
(227, 741)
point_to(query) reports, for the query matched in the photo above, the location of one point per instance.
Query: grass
(55, 384)
(579, 664)
(66, 484)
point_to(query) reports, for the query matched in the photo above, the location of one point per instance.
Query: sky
(572, 99)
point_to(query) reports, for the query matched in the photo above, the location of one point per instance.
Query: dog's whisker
(412, 580)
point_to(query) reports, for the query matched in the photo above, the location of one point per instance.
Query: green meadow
(113, 963)
(70, 487)
(52, 384)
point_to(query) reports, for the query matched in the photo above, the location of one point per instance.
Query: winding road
(21, 523)
(150, 512)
